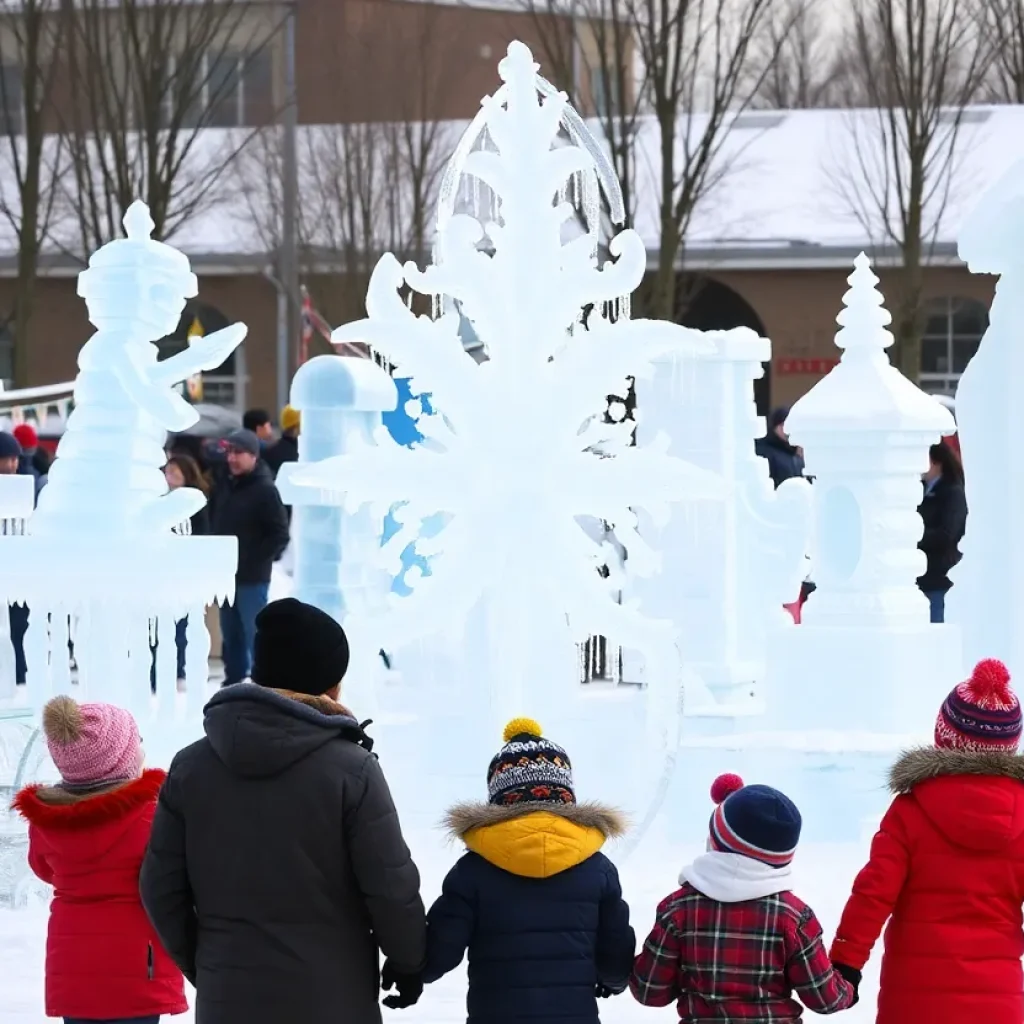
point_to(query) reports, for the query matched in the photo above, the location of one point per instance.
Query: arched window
(953, 330)
(225, 385)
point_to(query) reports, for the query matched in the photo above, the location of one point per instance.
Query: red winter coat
(103, 959)
(947, 870)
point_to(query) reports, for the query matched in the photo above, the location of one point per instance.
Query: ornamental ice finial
(518, 61)
(138, 224)
(864, 318)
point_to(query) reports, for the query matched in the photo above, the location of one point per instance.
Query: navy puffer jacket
(539, 909)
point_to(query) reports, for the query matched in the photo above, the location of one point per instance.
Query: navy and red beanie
(754, 821)
(982, 713)
(529, 768)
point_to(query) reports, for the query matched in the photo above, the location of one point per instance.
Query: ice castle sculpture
(106, 527)
(987, 599)
(727, 567)
(866, 656)
(511, 455)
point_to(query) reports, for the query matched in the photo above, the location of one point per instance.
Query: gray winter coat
(277, 867)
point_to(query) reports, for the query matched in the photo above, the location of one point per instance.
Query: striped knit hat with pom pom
(982, 713)
(754, 821)
(529, 768)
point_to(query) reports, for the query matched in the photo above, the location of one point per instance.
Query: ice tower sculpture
(987, 599)
(727, 567)
(511, 454)
(866, 656)
(104, 550)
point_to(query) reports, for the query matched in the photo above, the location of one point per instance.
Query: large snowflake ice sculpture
(512, 456)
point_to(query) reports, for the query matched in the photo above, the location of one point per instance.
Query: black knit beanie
(299, 648)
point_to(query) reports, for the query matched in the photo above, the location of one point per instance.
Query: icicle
(475, 204)
(435, 306)
(626, 306)
(408, 299)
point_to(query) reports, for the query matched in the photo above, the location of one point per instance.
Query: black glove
(602, 991)
(410, 987)
(853, 976)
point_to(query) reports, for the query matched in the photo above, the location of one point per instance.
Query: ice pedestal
(341, 400)
(866, 656)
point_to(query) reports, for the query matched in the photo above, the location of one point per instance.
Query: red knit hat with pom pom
(981, 714)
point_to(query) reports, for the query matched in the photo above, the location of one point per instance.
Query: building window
(604, 91)
(12, 100)
(952, 333)
(222, 386)
(236, 90)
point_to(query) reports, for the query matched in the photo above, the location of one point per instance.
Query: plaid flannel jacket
(737, 962)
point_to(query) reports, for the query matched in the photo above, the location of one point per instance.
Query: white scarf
(733, 878)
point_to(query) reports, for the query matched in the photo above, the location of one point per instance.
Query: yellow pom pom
(519, 726)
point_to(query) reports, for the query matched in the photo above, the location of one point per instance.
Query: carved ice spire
(864, 318)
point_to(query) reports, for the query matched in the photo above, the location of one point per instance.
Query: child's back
(536, 904)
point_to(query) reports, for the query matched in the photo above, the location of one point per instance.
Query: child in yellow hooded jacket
(535, 902)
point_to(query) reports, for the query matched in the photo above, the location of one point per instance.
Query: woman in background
(944, 512)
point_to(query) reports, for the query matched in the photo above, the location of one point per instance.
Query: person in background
(784, 459)
(258, 422)
(246, 505)
(286, 449)
(34, 459)
(86, 837)
(277, 872)
(534, 901)
(184, 471)
(944, 513)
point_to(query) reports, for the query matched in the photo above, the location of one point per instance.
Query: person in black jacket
(944, 512)
(784, 459)
(286, 448)
(246, 505)
(277, 869)
(534, 901)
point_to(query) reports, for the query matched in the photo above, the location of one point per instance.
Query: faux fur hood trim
(323, 703)
(916, 766)
(465, 817)
(54, 807)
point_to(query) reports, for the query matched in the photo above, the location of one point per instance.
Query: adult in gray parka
(277, 867)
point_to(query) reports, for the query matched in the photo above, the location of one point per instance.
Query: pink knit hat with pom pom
(982, 713)
(92, 743)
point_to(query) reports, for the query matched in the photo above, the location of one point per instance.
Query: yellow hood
(534, 841)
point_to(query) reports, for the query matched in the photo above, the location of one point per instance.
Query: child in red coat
(947, 869)
(87, 837)
(734, 943)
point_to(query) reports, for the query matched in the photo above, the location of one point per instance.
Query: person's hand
(602, 991)
(851, 975)
(409, 987)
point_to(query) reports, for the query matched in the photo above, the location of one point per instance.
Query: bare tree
(794, 59)
(146, 79)
(31, 159)
(920, 63)
(1002, 25)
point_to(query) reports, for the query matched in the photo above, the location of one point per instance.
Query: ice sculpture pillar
(341, 400)
(866, 656)
(987, 599)
(728, 567)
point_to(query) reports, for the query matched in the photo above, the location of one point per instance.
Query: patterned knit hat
(92, 743)
(754, 821)
(529, 768)
(982, 713)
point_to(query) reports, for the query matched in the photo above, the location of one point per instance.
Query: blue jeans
(238, 629)
(118, 1020)
(937, 600)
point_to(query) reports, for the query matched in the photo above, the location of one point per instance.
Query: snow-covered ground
(824, 873)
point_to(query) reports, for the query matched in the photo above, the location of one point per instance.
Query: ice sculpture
(17, 496)
(988, 585)
(341, 400)
(727, 567)
(105, 553)
(511, 455)
(866, 656)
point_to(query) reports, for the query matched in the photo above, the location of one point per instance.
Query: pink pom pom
(724, 786)
(990, 680)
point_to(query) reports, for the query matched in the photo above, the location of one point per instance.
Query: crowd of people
(268, 868)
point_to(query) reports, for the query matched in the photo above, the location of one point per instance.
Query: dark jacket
(277, 866)
(539, 909)
(285, 450)
(200, 522)
(944, 512)
(248, 507)
(784, 461)
(26, 467)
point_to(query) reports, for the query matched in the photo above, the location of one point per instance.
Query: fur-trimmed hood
(976, 799)
(535, 840)
(258, 732)
(53, 807)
